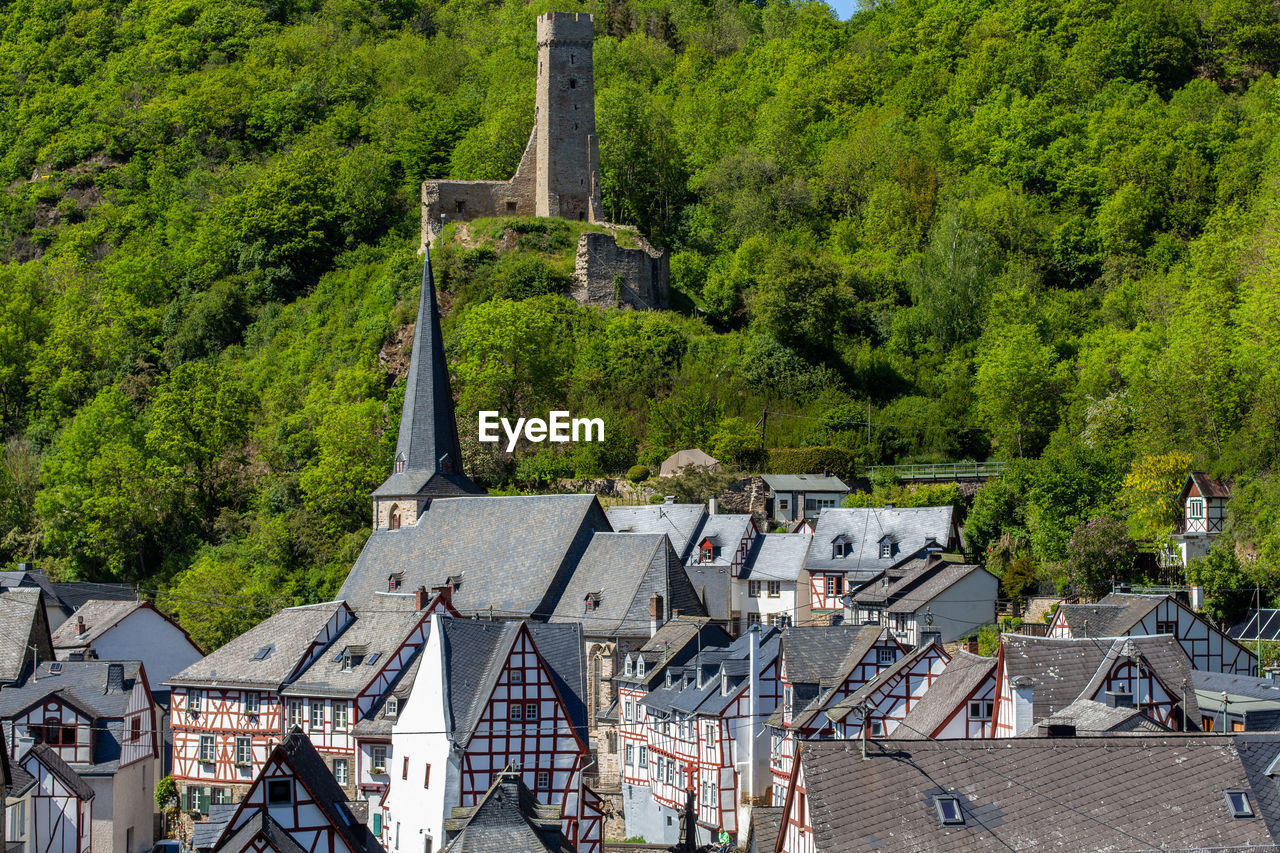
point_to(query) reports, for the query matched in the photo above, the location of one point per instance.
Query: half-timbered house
(960, 704)
(100, 719)
(1203, 501)
(1038, 676)
(491, 696)
(671, 644)
(714, 563)
(851, 546)
(1165, 792)
(882, 703)
(705, 733)
(25, 637)
(1129, 615)
(295, 805)
(821, 666)
(509, 819)
(765, 590)
(52, 806)
(928, 593)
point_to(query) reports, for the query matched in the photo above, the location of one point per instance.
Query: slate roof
(508, 820)
(377, 633)
(30, 578)
(1065, 670)
(49, 757)
(1035, 794)
(1209, 487)
(260, 823)
(427, 443)
(620, 571)
(1263, 689)
(942, 580)
(1096, 718)
(99, 617)
(513, 554)
(818, 662)
(673, 642)
(908, 528)
(841, 709)
(680, 522)
(776, 557)
(20, 609)
(476, 651)
(725, 532)
(766, 826)
(20, 781)
(75, 594)
(287, 635)
(206, 833)
(959, 678)
(804, 483)
(82, 683)
(685, 697)
(1257, 753)
(378, 724)
(1114, 616)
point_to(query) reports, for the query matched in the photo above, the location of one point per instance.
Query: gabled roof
(427, 445)
(680, 522)
(834, 670)
(259, 824)
(477, 650)
(508, 820)
(372, 638)
(1207, 486)
(1114, 616)
(33, 578)
(804, 483)
(724, 531)
(962, 675)
(910, 528)
(1089, 717)
(205, 833)
(22, 624)
(99, 617)
(674, 640)
(1142, 792)
(901, 666)
(514, 554)
(1261, 689)
(731, 661)
(947, 576)
(48, 756)
(622, 571)
(776, 556)
(1062, 671)
(267, 654)
(20, 781)
(83, 683)
(73, 595)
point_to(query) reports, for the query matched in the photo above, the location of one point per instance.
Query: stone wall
(605, 273)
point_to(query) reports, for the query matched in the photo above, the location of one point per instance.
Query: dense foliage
(945, 229)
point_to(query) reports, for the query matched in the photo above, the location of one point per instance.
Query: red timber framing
(797, 829)
(826, 590)
(65, 728)
(895, 693)
(970, 720)
(1207, 648)
(222, 716)
(633, 746)
(59, 821)
(546, 748)
(782, 751)
(299, 813)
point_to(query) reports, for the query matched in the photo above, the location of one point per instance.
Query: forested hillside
(1031, 229)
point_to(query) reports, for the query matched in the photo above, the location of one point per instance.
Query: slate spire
(428, 461)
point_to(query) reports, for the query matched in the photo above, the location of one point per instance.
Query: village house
(48, 806)
(64, 598)
(680, 522)
(764, 592)
(959, 704)
(880, 705)
(99, 719)
(127, 630)
(852, 546)
(509, 819)
(490, 697)
(794, 497)
(717, 558)
(1237, 703)
(1204, 515)
(704, 734)
(1036, 677)
(820, 667)
(25, 638)
(1129, 615)
(1095, 719)
(928, 593)
(1063, 793)
(643, 670)
(294, 804)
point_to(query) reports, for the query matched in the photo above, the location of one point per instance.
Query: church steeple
(428, 461)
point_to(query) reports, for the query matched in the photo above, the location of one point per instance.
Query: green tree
(1226, 582)
(1099, 555)
(1015, 388)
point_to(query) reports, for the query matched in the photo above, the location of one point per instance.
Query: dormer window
(393, 706)
(593, 601)
(453, 582)
(841, 546)
(639, 666)
(886, 548)
(400, 463)
(629, 666)
(708, 553)
(395, 581)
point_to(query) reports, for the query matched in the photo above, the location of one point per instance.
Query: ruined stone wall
(607, 274)
(467, 200)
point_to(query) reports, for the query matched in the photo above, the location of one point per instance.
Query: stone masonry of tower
(559, 176)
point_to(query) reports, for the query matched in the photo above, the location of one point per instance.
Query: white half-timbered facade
(1204, 515)
(57, 806)
(960, 704)
(882, 703)
(1129, 615)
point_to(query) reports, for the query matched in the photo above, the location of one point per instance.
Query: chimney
(1117, 699)
(973, 645)
(1023, 690)
(930, 635)
(24, 567)
(444, 593)
(1273, 672)
(1060, 730)
(713, 505)
(655, 613)
(421, 598)
(669, 499)
(79, 624)
(115, 678)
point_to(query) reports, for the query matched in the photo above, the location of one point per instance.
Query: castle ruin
(559, 176)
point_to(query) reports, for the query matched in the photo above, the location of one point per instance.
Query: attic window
(629, 666)
(1195, 508)
(373, 658)
(708, 553)
(400, 462)
(639, 666)
(840, 549)
(395, 581)
(593, 601)
(1238, 802)
(393, 706)
(279, 792)
(949, 810)
(55, 668)
(886, 549)
(262, 653)
(453, 581)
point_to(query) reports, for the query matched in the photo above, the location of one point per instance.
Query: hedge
(838, 461)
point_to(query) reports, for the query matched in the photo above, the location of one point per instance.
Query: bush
(637, 473)
(988, 640)
(814, 460)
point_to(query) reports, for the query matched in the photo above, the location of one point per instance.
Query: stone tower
(428, 462)
(565, 124)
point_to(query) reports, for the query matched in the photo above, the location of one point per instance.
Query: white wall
(784, 604)
(147, 636)
(961, 609)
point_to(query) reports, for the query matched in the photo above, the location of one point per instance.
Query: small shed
(691, 458)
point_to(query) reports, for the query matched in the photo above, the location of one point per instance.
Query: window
(707, 554)
(517, 676)
(404, 771)
(840, 548)
(222, 796)
(787, 695)
(543, 780)
(1238, 802)
(1195, 508)
(426, 777)
(1237, 725)
(459, 206)
(784, 504)
(899, 622)
(775, 589)
(198, 800)
(886, 549)
(531, 711)
(980, 709)
(573, 84)
(835, 585)
(1206, 723)
(206, 749)
(135, 730)
(753, 619)
(877, 728)
(591, 603)
(295, 713)
(279, 792)
(252, 702)
(670, 775)
(393, 706)
(710, 733)
(753, 589)
(779, 620)
(378, 759)
(515, 711)
(630, 755)
(1167, 628)
(511, 207)
(195, 701)
(626, 710)
(244, 752)
(317, 716)
(644, 756)
(949, 810)
(340, 716)
(628, 667)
